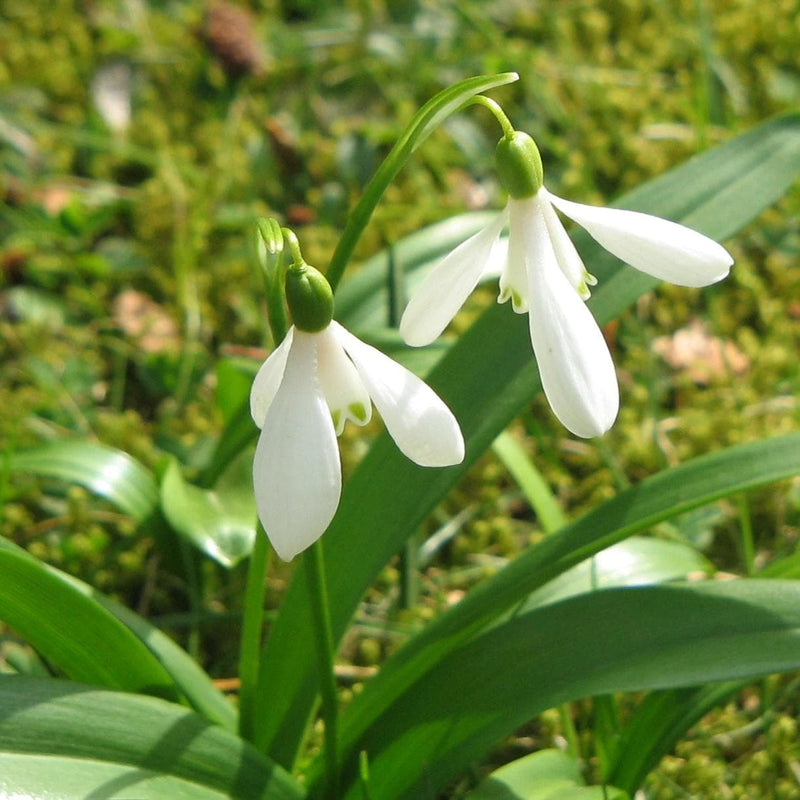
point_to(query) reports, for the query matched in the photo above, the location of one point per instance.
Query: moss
(613, 93)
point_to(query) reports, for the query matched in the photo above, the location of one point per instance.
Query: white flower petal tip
(661, 248)
(575, 365)
(296, 471)
(446, 287)
(420, 423)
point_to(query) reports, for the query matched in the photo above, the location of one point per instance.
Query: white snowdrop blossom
(305, 391)
(544, 276)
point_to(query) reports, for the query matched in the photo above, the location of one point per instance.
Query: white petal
(344, 390)
(447, 286)
(567, 256)
(575, 366)
(659, 247)
(422, 426)
(268, 379)
(514, 279)
(296, 472)
(497, 259)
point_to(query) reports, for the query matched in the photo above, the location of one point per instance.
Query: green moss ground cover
(125, 278)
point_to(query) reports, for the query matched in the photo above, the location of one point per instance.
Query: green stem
(747, 541)
(195, 591)
(499, 114)
(434, 112)
(363, 775)
(569, 731)
(318, 593)
(291, 239)
(252, 624)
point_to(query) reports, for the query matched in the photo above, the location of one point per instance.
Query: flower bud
(310, 298)
(519, 165)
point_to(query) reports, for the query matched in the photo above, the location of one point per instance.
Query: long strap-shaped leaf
(658, 723)
(660, 497)
(630, 639)
(73, 650)
(486, 378)
(109, 472)
(64, 740)
(75, 633)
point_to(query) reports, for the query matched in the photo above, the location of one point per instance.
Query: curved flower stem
(318, 594)
(434, 112)
(252, 624)
(498, 112)
(290, 237)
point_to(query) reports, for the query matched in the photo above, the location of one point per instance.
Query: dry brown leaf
(705, 358)
(143, 320)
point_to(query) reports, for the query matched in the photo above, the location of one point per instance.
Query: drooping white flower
(305, 391)
(545, 277)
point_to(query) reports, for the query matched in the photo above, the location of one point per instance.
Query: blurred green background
(138, 141)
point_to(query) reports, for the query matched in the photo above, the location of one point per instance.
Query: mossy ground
(290, 119)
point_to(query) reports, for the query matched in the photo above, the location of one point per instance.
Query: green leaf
(660, 497)
(635, 562)
(545, 775)
(234, 379)
(659, 722)
(74, 632)
(239, 433)
(72, 742)
(486, 378)
(107, 472)
(220, 522)
(617, 640)
(188, 676)
(533, 485)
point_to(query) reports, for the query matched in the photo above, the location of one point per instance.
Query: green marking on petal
(517, 302)
(583, 286)
(358, 412)
(337, 417)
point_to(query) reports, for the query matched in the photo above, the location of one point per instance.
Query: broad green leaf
(637, 561)
(221, 521)
(189, 678)
(239, 433)
(616, 640)
(74, 632)
(487, 377)
(660, 497)
(110, 473)
(234, 378)
(67, 741)
(70, 778)
(545, 775)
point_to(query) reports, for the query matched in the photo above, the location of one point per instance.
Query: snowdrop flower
(545, 277)
(319, 377)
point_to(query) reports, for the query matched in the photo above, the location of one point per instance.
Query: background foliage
(130, 313)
